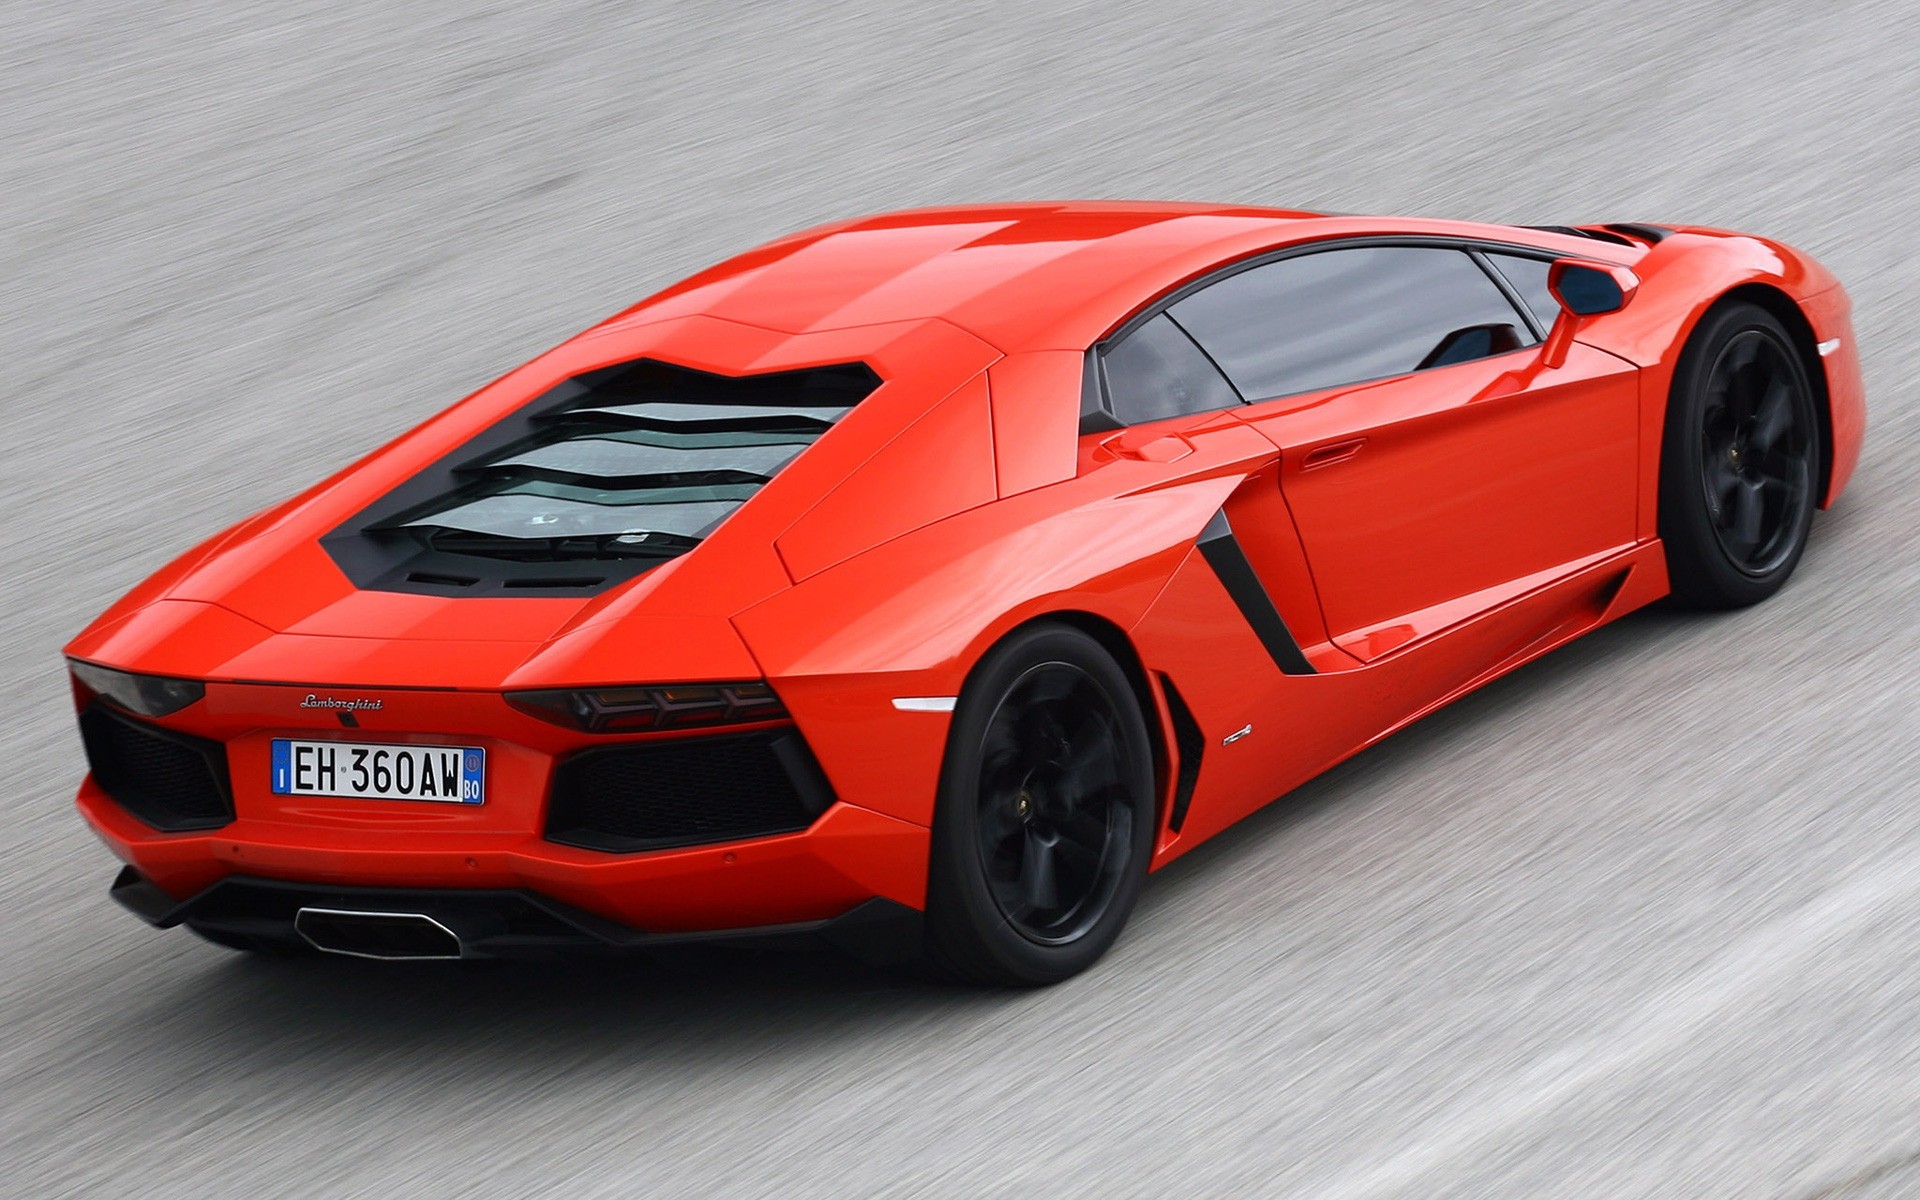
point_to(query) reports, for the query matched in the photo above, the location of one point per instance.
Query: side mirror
(1584, 289)
(1587, 289)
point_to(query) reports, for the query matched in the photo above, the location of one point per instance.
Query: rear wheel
(1737, 467)
(1045, 817)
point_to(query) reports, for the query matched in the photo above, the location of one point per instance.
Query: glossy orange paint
(1830, 313)
(1458, 480)
(1419, 536)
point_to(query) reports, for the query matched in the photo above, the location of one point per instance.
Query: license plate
(449, 774)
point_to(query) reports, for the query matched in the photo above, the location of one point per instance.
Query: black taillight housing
(141, 695)
(650, 707)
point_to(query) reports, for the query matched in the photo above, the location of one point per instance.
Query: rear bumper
(848, 856)
(496, 923)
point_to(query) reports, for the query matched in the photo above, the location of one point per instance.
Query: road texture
(1642, 920)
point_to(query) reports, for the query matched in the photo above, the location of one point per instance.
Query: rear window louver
(615, 471)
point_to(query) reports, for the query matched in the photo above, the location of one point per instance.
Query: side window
(1529, 277)
(1156, 371)
(1342, 316)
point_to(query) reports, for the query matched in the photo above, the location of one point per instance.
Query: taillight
(642, 708)
(142, 695)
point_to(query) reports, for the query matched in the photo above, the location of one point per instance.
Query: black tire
(266, 947)
(1045, 817)
(1738, 462)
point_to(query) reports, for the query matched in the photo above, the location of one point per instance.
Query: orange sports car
(921, 583)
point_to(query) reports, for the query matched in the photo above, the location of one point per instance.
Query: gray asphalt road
(1643, 920)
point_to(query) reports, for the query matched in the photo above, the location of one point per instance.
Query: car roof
(1027, 276)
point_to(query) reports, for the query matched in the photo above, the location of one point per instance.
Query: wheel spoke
(1743, 353)
(1740, 399)
(1002, 750)
(1088, 762)
(1743, 525)
(1721, 480)
(1039, 890)
(1774, 415)
(1086, 830)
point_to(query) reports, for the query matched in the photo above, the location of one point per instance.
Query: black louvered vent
(683, 791)
(1189, 744)
(1620, 233)
(169, 780)
(594, 481)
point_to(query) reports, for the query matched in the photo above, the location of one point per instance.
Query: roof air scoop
(616, 470)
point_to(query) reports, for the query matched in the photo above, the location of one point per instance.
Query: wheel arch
(1153, 710)
(1784, 309)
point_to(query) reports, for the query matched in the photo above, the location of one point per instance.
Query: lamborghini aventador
(922, 583)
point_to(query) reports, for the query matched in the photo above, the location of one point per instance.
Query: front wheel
(1044, 823)
(1738, 462)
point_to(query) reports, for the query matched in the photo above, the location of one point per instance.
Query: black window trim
(1483, 256)
(1096, 404)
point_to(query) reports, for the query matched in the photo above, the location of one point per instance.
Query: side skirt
(1305, 725)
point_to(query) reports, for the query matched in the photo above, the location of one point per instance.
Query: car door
(1177, 412)
(1433, 462)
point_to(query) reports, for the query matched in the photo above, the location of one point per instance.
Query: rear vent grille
(1620, 233)
(168, 780)
(1585, 231)
(684, 791)
(1650, 234)
(558, 581)
(621, 468)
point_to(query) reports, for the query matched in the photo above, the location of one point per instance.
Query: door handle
(1332, 452)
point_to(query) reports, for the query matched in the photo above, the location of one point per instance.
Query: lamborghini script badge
(313, 701)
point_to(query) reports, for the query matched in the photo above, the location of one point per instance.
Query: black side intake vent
(684, 791)
(594, 481)
(1189, 744)
(168, 780)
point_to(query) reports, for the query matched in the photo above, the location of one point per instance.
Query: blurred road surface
(1643, 920)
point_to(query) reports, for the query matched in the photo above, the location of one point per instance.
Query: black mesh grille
(169, 780)
(650, 795)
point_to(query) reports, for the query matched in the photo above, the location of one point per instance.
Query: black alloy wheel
(1738, 470)
(1756, 446)
(1044, 822)
(1055, 825)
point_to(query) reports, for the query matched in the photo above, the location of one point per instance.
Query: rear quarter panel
(913, 616)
